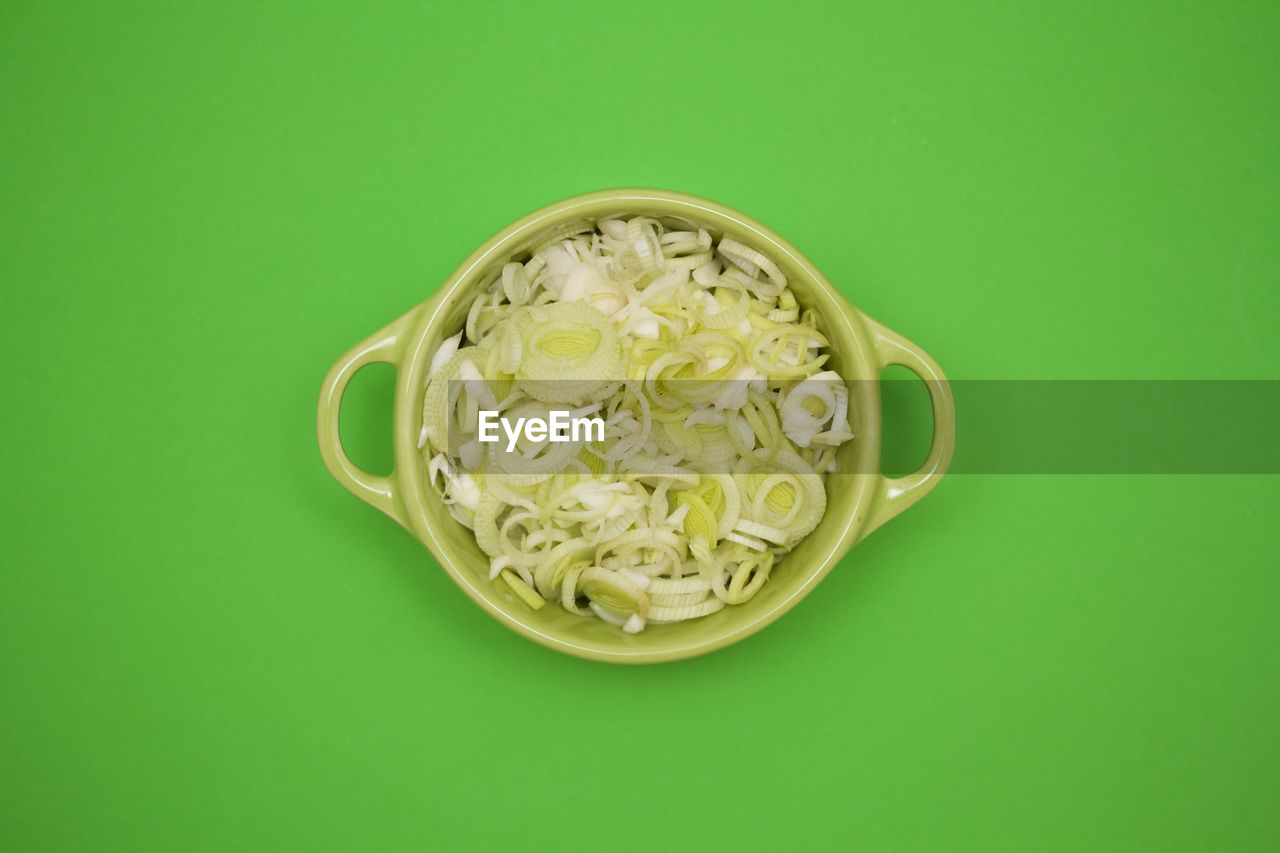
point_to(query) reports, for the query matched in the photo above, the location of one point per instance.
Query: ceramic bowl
(857, 504)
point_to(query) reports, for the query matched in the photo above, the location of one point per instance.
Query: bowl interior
(847, 494)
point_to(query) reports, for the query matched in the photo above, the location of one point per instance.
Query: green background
(206, 644)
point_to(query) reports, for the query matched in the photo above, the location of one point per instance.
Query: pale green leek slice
(522, 589)
(613, 590)
(569, 352)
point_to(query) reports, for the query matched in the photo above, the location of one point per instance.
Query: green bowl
(859, 504)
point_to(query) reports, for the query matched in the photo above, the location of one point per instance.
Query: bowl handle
(386, 345)
(895, 494)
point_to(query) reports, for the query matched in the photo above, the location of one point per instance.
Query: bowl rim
(420, 322)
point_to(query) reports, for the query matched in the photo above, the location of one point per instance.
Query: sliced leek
(721, 420)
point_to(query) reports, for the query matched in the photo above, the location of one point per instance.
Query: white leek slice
(750, 260)
(444, 353)
(660, 615)
(683, 586)
(676, 600)
(746, 541)
(800, 421)
(761, 531)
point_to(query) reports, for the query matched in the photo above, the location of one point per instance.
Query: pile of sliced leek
(720, 421)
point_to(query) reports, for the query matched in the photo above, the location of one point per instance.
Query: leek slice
(570, 351)
(612, 590)
(669, 600)
(679, 614)
(523, 590)
(750, 260)
(683, 586)
(447, 398)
